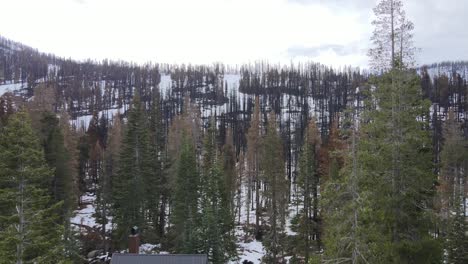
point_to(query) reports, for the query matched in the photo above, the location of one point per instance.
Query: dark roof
(118, 258)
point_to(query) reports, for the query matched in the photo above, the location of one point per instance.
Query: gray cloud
(440, 27)
(340, 50)
(346, 4)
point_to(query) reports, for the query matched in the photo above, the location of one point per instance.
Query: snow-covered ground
(252, 251)
(151, 249)
(292, 212)
(10, 87)
(82, 122)
(165, 85)
(85, 216)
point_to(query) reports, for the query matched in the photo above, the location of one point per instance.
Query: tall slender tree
(30, 225)
(309, 222)
(452, 182)
(58, 158)
(217, 221)
(158, 189)
(456, 244)
(229, 168)
(185, 215)
(398, 168)
(129, 186)
(253, 161)
(273, 170)
(345, 238)
(71, 146)
(110, 167)
(397, 148)
(95, 147)
(392, 39)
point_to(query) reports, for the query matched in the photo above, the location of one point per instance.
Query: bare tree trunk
(354, 191)
(162, 216)
(21, 226)
(257, 206)
(249, 196)
(274, 220)
(307, 216)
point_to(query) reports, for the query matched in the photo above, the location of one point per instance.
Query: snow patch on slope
(251, 251)
(165, 85)
(11, 87)
(85, 216)
(82, 122)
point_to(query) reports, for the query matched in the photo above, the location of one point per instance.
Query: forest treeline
(320, 165)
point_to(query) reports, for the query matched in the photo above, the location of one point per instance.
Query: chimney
(134, 241)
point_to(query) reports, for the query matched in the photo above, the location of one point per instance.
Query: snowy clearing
(4, 88)
(85, 216)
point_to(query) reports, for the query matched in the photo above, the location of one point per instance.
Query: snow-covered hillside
(11, 87)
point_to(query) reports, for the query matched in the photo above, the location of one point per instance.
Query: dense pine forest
(254, 163)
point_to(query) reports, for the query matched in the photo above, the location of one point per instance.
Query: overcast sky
(333, 32)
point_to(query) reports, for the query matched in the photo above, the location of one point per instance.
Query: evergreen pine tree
(6, 108)
(453, 225)
(395, 155)
(95, 147)
(102, 191)
(273, 171)
(253, 164)
(70, 240)
(397, 166)
(83, 163)
(57, 158)
(345, 239)
(392, 39)
(185, 214)
(309, 183)
(158, 187)
(229, 168)
(30, 224)
(217, 221)
(456, 244)
(381, 206)
(110, 169)
(70, 144)
(129, 186)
